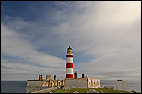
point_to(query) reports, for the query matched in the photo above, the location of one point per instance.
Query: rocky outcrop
(92, 91)
(48, 90)
(75, 92)
(133, 91)
(100, 91)
(65, 88)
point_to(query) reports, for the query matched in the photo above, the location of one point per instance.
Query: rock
(55, 87)
(65, 88)
(75, 92)
(58, 87)
(68, 88)
(47, 90)
(100, 91)
(73, 87)
(109, 87)
(92, 91)
(133, 91)
(52, 90)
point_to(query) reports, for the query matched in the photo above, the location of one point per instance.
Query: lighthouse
(69, 63)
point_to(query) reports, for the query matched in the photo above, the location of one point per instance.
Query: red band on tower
(69, 65)
(69, 55)
(69, 75)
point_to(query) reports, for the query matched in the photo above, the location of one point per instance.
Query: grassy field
(84, 90)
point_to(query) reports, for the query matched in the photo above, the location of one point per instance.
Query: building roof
(70, 48)
(82, 78)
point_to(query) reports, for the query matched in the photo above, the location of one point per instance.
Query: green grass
(72, 90)
(110, 90)
(84, 90)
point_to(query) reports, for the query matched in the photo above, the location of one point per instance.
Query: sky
(105, 37)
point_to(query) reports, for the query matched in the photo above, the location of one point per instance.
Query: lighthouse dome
(70, 48)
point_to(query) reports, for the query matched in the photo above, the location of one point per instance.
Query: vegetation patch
(84, 90)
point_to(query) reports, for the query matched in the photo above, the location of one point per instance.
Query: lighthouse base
(69, 75)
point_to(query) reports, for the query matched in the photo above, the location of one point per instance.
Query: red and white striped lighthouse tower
(69, 63)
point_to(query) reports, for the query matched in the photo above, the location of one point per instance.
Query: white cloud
(18, 71)
(16, 45)
(108, 30)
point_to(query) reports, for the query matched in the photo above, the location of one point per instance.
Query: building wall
(93, 83)
(77, 83)
(33, 85)
(53, 83)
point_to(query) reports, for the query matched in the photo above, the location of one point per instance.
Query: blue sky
(105, 37)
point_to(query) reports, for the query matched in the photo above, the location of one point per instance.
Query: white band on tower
(69, 70)
(69, 60)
